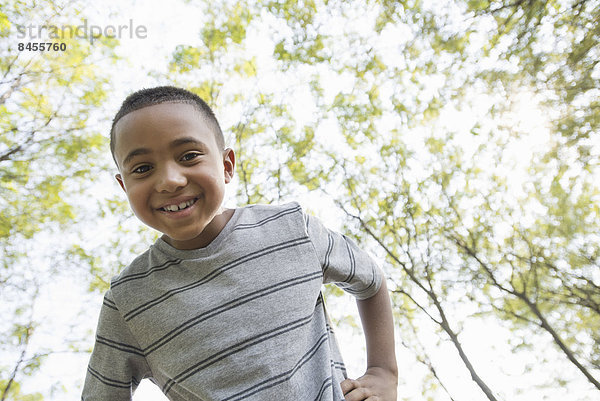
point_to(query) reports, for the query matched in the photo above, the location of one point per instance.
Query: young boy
(227, 304)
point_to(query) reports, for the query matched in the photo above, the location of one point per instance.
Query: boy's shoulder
(137, 267)
(260, 211)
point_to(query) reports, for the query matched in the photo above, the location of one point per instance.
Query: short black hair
(165, 94)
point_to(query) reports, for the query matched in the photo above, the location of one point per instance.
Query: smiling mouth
(181, 206)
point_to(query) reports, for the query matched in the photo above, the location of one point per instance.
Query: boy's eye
(141, 169)
(189, 156)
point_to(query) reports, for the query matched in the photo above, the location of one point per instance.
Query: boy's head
(165, 94)
(172, 164)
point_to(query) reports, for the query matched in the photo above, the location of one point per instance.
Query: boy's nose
(170, 180)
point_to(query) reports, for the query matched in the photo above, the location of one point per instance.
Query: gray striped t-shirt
(241, 319)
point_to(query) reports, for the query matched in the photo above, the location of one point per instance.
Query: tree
(550, 48)
(554, 44)
(48, 155)
(544, 265)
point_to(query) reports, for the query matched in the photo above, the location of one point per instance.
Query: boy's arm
(117, 363)
(381, 378)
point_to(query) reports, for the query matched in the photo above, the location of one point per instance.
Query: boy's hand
(376, 384)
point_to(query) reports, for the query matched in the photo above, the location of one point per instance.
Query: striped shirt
(241, 319)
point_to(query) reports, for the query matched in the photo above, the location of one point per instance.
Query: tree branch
(534, 308)
(444, 324)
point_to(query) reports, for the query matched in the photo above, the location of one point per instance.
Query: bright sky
(485, 341)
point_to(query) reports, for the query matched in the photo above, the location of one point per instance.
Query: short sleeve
(343, 262)
(117, 364)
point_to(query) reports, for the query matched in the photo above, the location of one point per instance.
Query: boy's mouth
(178, 207)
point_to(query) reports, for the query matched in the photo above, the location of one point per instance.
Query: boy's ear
(228, 164)
(120, 181)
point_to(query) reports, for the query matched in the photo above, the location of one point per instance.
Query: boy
(226, 305)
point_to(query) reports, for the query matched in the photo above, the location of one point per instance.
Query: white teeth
(182, 205)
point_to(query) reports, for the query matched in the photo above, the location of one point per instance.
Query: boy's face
(173, 171)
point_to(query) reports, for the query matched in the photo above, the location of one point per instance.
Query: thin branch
(24, 343)
(418, 305)
(505, 6)
(561, 344)
(423, 357)
(533, 307)
(444, 324)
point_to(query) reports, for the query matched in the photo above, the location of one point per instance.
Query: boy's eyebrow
(177, 142)
(185, 141)
(134, 153)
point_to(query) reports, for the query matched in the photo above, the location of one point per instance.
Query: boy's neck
(210, 232)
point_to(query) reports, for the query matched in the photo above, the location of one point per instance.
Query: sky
(178, 23)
